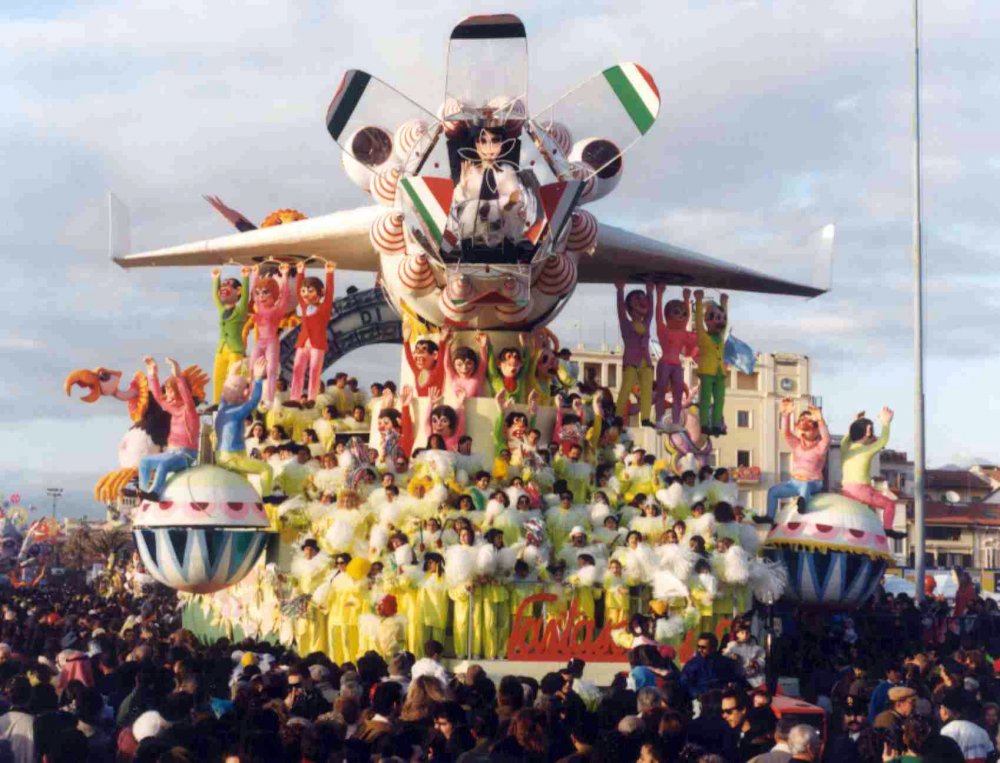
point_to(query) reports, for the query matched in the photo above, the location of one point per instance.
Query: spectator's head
(66, 747)
(804, 743)
(916, 732)
(953, 705)
(707, 644)
(903, 700)
(448, 716)
(387, 698)
(734, 708)
(647, 699)
(19, 691)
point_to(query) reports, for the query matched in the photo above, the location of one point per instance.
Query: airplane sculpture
(479, 221)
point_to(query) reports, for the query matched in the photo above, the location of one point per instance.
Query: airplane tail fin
(119, 229)
(822, 244)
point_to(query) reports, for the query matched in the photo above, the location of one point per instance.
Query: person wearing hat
(310, 570)
(880, 696)
(844, 745)
(902, 701)
(974, 742)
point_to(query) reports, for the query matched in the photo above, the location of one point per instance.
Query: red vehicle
(800, 712)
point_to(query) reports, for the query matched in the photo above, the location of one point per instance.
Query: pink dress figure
(464, 370)
(316, 303)
(272, 301)
(809, 444)
(444, 420)
(675, 340)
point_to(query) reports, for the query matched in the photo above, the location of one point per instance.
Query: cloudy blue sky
(777, 118)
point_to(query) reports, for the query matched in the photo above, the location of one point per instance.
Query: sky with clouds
(777, 118)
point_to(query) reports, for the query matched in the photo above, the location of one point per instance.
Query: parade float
(479, 236)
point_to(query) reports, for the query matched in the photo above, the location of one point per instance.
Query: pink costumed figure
(316, 304)
(464, 369)
(675, 340)
(272, 301)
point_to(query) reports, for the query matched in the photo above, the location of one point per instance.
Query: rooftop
(939, 479)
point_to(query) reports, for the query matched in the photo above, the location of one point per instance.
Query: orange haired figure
(272, 300)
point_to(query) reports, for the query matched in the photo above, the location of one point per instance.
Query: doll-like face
(488, 146)
(230, 291)
(464, 367)
(807, 427)
(170, 394)
(523, 503)
(675, 314)
(633, 541)
(670, 537)
(310, 294)
(638, 304)
(715, 318)
(518, 427)
(615, 568)
(235, 390)
(510, 364)
(384, 425)
(441, 424)
(423, 357)
(266, 293)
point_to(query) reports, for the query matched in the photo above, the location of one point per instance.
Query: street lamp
(55, 493)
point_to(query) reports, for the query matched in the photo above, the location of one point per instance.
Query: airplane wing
(623, 254)
(341, 237)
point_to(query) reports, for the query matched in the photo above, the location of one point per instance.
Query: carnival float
(490, 494)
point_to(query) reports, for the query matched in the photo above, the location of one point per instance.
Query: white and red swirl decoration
(386, 233)
(517, 291)
(383, 186)
(407, 136)
(558, 275)
(451, 106)
(560, 134)
(582, 233)
(415, 273)
(452, 311)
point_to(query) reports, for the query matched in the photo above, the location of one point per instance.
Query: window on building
(592, 374)
(612, 375)
(743, 458)
(785, 466)
(743, 419)
(940, 532)
(747, 381)
(897, 545)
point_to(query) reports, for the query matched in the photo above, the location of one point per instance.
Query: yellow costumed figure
(494, 563)
(617, 602)
(460, 569)
(432, 599)
(347, 594)
(310, 570)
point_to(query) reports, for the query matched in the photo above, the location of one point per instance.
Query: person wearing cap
(974, 742)
(843, 746)
(880, 696)
(902, 701)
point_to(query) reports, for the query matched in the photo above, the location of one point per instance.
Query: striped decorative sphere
(836, 551)
(206, 532)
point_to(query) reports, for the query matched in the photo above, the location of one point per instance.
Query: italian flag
(430, 198)
(635, 88)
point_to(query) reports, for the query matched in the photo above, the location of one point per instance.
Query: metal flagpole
(918, 327)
